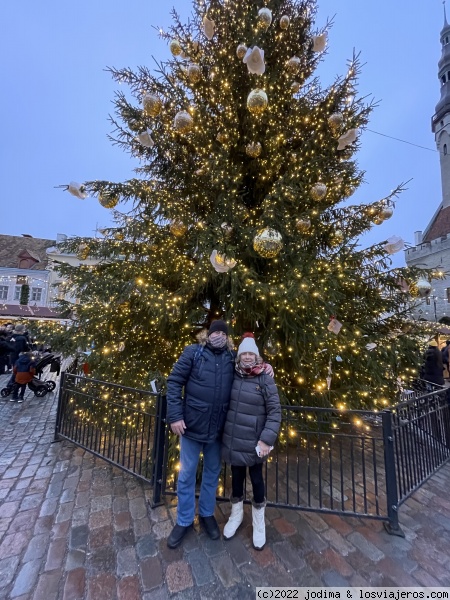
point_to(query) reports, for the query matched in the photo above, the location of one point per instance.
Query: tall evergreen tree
(240, 211)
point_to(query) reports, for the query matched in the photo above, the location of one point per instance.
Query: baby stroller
(36, 385)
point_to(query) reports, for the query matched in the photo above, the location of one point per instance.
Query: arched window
(443, 79)
(445, 149)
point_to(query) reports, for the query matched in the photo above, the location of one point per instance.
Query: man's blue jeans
(189, 457)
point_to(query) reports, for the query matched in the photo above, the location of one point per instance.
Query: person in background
(5, 350)
(23, 371)
(250, 432)
(433, 365)
(446, 357)
(19, 339)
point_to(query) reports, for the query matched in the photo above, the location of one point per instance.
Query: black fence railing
(354, 463)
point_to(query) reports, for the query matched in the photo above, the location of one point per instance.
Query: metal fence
(354, 463)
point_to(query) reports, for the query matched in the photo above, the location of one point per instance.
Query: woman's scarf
(250, 371)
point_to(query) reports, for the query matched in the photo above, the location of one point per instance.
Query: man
(206, 372)
(19, 339)
(446, 357)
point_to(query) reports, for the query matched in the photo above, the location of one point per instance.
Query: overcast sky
(56, 97)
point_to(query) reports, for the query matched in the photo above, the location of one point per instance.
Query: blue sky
(57, 96)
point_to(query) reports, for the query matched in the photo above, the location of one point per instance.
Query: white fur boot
(259, 525)
(236, 517)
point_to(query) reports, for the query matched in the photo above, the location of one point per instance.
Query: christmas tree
(239, 211)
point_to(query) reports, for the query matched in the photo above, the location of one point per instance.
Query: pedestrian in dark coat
(433, 367)
(19, 339)
(250, 432)
(445, 356)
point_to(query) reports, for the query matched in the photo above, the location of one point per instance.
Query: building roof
(11, 246)
(27, 312)
(439, 227)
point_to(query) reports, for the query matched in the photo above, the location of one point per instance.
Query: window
(428, 301)
(36, 294)
(3, 292)
(445, 149)
(17, 289)
(447, 291)
(442, 79)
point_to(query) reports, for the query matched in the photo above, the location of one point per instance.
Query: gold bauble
(257, 101)
(119, 236)
(295, 87)
(183, 122)
(227, 229)
(270, 348)
(293, 64)
(108, 200)
(222, 137)
(178, 229)
(264, 18)
(241, 51)
(253, 149)
(302, 225)
(335, 121)
(284, 22)
(377, 219)
(83, 251)
(268, 242)
(175, 47)
(318, 191)
(386, 213)
(194, 73)
(152, 105)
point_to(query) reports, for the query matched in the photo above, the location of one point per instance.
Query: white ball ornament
(152, 104)
(264, 18)
(241, 51)
(284, 22)
(318, 191)
(194, 73)
(268, 242)
(175, 47)
(293, 64)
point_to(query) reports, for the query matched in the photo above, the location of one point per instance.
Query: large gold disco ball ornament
(183, 122)
(108, 200)
(293, 64)
(264, 18)
(268, 242)
(178, 229)
(241, 51)
(152, 105)
(194, 73)
(386, 213)
(175, 47)
(318, 191)
(303, 225)
(335, 121)
(284, 22)
(253, 149)
(257, 101)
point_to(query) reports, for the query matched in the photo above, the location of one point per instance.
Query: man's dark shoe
(176, 535)
(209, 524)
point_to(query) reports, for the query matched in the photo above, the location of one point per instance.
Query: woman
(433, 367)
(250, 432)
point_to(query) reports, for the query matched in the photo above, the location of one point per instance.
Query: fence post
(392, 527)
(59, 408)
(159, 449)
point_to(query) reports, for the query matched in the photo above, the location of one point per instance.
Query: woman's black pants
(256, 475)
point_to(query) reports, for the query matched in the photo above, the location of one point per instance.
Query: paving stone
(8, 567)
(37, 547)
(26, 578)
(146, 546)
(151, 573)
(126, 562)
(55, 554)
(178, 577)
(75, 559)
(288, 556)
(78, 537)
(123, 539)
(102, 587)
(138, 508)
(129, 588)
(333, 579)
(103, 536)
(75, 585)
(226, 571)
(14, 544)
(48, 586)
(102, 560)
(366, 547)
(201, 569)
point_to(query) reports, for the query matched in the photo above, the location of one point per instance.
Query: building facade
(432, 246)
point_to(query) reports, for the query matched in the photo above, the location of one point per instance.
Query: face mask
(217, 342)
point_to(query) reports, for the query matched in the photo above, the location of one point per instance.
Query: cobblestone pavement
(73, 527)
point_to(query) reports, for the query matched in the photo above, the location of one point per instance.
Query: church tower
(432, 249)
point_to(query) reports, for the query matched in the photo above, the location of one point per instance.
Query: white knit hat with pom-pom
(248, 344)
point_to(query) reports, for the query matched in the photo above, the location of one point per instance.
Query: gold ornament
(175, 47)
(253, 149)
(227, 230)
(295, 87)
(424, 287)
(303, 225)
(386, 213)
(377, 220)
(241, 51)
(257, 101)
(119, 236)
(183, 122)
(152, 105)
(335, 121)
(222, 137)
(293, 64)
(318, 191)
(268, 242)
(284, 22)
(178, 229)
(83, 251)
(270, 347)
(108, 200)
(264, 18)
(194, 73)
